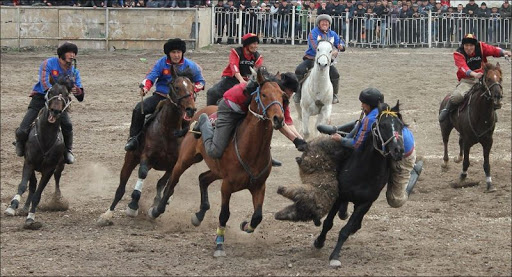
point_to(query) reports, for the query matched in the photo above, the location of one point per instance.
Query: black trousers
(138, 117)
(307, 64)
(216, 92)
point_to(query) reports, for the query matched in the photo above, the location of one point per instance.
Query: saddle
(465, 102)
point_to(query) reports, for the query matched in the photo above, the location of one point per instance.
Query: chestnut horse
(475, 121)
(159, 148)
(245, 164)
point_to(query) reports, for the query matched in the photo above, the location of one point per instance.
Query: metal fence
(432, 30)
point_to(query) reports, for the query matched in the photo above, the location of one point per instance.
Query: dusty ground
(440, 231)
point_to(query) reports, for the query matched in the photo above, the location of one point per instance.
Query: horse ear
(498, 65)
(52, 80)
(174, 72)
(260, 76)
(396, 108)
(278, 75)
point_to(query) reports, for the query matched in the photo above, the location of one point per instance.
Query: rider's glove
(300, 144)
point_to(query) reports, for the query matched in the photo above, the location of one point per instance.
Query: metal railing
(432, 30)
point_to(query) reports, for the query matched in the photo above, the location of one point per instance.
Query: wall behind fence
(133, 28)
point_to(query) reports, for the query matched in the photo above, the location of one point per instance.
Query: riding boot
(326, 129)
(196, 129)
(446, 111)
(206, 129)
(135, 129)
(68, 142)
(20, 143)
(335, 89)
(276, 163)
(415, 174)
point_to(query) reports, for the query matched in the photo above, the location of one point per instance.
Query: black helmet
(470, 38)
(249, 38)
(371, 96)
(175, 44)
(289, 80)
(65, 48)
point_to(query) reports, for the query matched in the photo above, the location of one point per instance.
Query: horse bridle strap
(378, 134)
(245, 166)
(67, 102)
(264, 109)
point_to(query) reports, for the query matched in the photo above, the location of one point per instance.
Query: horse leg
(465, 164)
(353, 224)
(160, 187)
(130, 162)
(32, 184)
(205, 179)
(446, 129)
(305, 124)
(30, 222)
(328, 222)
(133, 207)
(57, 202)
(461, 147)
(223, 219)
(258, 195)
(342, 212)
(28, 172)
(486, 145)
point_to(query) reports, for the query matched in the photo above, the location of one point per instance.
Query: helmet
(323, 17)
(249, 38)
(289, 80)
(175, 44)
(371, 96)
(65, 48)
(470, 38)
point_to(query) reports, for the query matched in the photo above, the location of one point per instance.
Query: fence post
(293, 26)
(196, 31)
(430, 29)
(106, 28)
(239, 27)
(347, 30)
(212, 30)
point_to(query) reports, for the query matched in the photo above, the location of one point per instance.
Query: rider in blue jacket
(321, 31)
(52, 68)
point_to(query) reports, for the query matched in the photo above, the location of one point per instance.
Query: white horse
(317, 90)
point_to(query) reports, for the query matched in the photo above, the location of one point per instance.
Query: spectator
(382, 12)
(471, 8)
(322, 9)
(220, 19)
(506, 14)
(405, 24)
(494, 25)
(285, 11)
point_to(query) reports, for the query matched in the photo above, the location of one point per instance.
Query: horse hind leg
(133, 207)
(205, 179)
(327, 225)
(446, 128)
(30, 222)
(28, 172)
(160, 185)
(31, 189)
(130, 162)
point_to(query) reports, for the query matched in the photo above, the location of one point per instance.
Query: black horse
(363, 174)
(158, 148)
(44, 152)
(475, 121)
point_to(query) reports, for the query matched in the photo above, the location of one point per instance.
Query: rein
(488, 96)
(178, 100)
(378, 135)
(45, 153)
(247, 169)
(67, 102)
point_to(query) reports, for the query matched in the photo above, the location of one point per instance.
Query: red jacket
(463, 69)
(234, 63)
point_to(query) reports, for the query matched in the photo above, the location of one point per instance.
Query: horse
(245, 163)
(317, 89)
(363, 175)
(159, 148)
(44, 153)
(475, 121)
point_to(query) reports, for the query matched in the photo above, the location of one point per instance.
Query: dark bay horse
(44, 152)
(363, 175)
(159, 148)
(245, 164)
(475, 121)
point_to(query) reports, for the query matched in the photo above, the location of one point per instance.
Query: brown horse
(475, 121)
(245, 164)
(159, 148)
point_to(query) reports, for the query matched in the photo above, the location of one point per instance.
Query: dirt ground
(440, 231)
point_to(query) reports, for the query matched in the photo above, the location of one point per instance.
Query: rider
(469, 58)
(321, 31)
(234, 109)
(241, 59)
(54, 68)
(405, 172)
(161, 74)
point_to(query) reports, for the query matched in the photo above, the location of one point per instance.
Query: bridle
(326, 56)
(66, 100)
(377, 134)
(487, 92)
(177, 102)
(261, 106)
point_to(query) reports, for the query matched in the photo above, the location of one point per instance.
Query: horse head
(324, 53)
(387, 131)
(492, 83)
(58, 98)
(268, 98)
(181, 92)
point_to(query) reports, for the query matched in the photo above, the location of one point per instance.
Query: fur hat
(65, 48)
(323, 17)
(175, 44)
(249, 38)
(289, 80)
(470, 38)
(371, 96)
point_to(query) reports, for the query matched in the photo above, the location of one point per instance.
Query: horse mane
(185, 73)
(385, 106)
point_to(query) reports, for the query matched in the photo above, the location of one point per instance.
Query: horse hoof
(334, 263)
(490, 188)
(317, 244)
(195, 221)
(150, 213)
(131, 212)
(10, 212)
(30, 224)
(219, 253)
(317, 222)
(457, 160)
(102, 222)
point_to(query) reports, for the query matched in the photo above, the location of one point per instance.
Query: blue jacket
(408, 141)
(364, 129)
(314, 36)
(161, 73)
(51, 67)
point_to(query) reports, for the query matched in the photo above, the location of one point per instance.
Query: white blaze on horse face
(185, 84)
